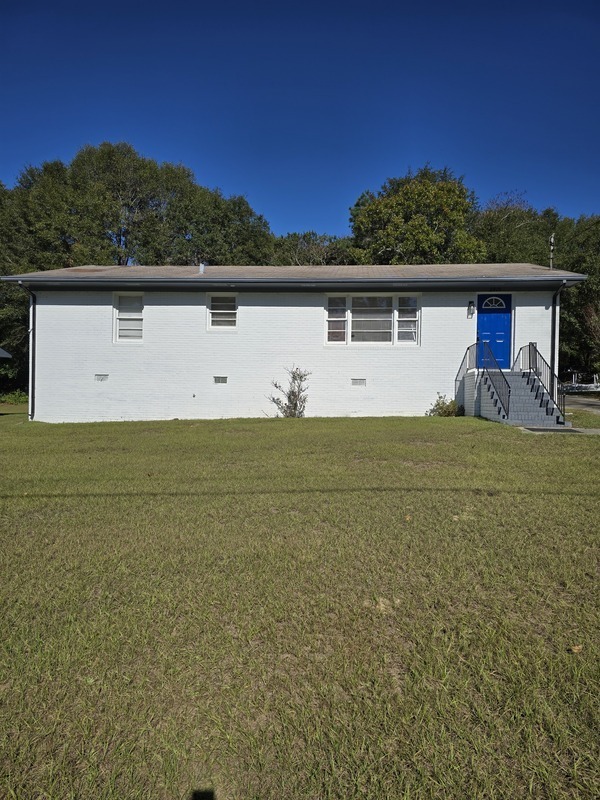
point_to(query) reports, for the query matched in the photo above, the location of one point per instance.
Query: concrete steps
(530, 405)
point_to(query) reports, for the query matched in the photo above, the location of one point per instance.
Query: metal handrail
(469, 362)
(530, 359)
(498, 379)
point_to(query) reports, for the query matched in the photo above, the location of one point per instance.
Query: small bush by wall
(295, 396)
(445, 408)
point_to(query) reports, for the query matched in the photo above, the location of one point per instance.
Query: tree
(424, 218)
(116, 196)
(514, 232)
(133, 210)
(198, 225)
(578, 249)
(111, 205)
(313, 249)
(39, 219)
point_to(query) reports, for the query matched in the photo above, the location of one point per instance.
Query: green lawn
(351, 608)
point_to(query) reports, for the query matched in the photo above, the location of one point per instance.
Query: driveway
(581, 402)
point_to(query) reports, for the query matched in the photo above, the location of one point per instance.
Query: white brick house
(141, 343)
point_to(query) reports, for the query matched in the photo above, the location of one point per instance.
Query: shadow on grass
(203, 794)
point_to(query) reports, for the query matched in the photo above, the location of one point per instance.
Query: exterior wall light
(471, 309)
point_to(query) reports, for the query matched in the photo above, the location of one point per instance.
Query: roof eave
(294, 284)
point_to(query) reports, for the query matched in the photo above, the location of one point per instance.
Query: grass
(385, 608)
(583, 419)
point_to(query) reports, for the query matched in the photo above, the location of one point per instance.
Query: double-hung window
(222, 311)
(408, 311)
(129, 317)
(376, 319)
(337, 319)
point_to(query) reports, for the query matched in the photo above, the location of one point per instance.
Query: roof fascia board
(299, 285)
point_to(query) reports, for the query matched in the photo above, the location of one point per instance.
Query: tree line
(110, 205)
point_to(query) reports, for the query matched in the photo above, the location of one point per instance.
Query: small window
(407, 319)
(223, 311)
(337, 318)
(358, 381)
(129, 321)
(220, 379)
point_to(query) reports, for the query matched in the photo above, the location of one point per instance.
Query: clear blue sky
(301, 106)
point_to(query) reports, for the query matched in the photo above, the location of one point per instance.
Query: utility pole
(552, 251)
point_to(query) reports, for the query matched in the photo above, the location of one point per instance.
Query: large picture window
(380, 319)
(129, 317)
(372, 319)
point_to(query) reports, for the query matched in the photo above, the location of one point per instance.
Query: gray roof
(416, 276)
(4, 354)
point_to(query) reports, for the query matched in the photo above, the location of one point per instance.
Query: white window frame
(119, 315)
(210, 312)
(397, 320)
(342, 318)
(498, 302)
(401, 317)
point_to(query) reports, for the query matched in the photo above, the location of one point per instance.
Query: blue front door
(493, 327)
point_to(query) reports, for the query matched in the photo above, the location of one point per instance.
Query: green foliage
(313, 249)
(14, 335)
(39, 220)
(443, 407)
(119, 196)
(295, 395)
(578, 249)
(514, 232)
(296, 249)
(425, 218)
(14, 398)
(112, 206)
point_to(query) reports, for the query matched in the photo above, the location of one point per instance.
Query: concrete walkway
(562, 431)
(574, 402)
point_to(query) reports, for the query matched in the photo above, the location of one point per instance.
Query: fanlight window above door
(493, 302)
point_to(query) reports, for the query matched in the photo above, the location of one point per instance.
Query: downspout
(32, 339)
(553, 351)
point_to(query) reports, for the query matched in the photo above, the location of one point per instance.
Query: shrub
(14, 398)
(445, 408)
(293, 402)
